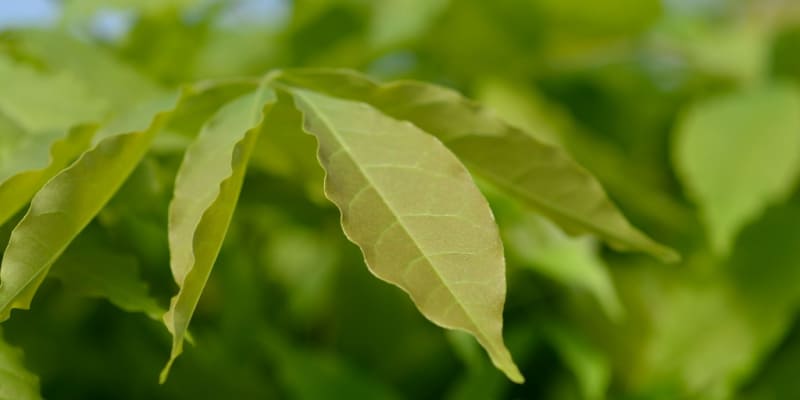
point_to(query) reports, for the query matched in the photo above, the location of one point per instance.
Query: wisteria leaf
(419, 219)
(539, 174)
(206, 191)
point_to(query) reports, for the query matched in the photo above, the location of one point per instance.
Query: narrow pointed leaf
(419, 219)
(69, 201)
(16, 382)
(206, 191)
(540, 174)
(21, 172)
(62, 208)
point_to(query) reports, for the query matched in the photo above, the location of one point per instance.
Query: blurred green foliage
(687, 112)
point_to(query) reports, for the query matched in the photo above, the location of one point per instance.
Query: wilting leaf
(419, 219)
(90, 268)
(514, 161)
(34, 159)
(206, 191)
(16, 383)
(27, 98)
(738, 154)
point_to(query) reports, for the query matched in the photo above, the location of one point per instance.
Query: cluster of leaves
(166, 146)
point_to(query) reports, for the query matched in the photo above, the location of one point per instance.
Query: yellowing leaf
(16, 382)
(540, 174)
(738, 154)
(416, 214)
(206, 191)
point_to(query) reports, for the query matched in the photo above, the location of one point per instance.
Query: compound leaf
(419, 219)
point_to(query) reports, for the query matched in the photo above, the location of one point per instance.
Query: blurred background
(686, 110)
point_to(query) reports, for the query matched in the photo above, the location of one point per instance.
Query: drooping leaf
(537, 173)
(26, 166)
(416, 214)
(90, 268)
(69, 201)
(16, 382)
(206, 191)
(287, 151)
(737, 154)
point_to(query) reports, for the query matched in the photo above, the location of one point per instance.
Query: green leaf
(32, 161)
(69, 201)
(392, 24)
(206, 191)
(16, 382)
(91, 268)
(104, 76)
(591, 367)
(540, 174)
(416, 214)
(544, 248)
(27, 98)
(737, 154)
(314, 375)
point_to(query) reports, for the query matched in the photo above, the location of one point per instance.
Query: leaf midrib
(401, 223)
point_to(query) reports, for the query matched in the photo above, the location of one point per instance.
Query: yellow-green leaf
(419, 219)
(63, 207)
(41, 103)
(540, 174)
(206, 191)
(738, 154)
(22, 172)
(69, 201)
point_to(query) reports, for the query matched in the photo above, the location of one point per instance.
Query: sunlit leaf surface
(418, 217)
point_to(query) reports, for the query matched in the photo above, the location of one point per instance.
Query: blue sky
(15, 13)
(20, 13)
